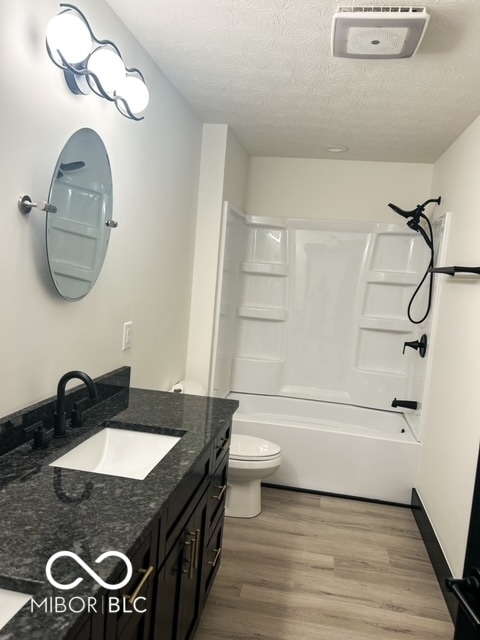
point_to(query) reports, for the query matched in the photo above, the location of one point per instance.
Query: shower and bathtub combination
(312, 337)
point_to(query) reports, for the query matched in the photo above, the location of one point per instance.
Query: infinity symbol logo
(96, 577)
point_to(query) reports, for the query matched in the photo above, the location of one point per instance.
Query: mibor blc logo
(95, 576)
(90, 604)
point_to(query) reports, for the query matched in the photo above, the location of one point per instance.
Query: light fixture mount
(93, 65)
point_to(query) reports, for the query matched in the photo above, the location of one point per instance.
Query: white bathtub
(335, 448)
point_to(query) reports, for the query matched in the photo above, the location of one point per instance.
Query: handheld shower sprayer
(417, 212)
(413, 221)
(415, 215)
(402, 212)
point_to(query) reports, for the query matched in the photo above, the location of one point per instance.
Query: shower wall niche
(316, 309)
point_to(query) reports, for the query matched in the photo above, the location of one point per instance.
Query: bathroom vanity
(169, 525)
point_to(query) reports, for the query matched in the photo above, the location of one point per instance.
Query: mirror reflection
(77, 234)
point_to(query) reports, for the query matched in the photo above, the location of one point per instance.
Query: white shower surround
(311, 322)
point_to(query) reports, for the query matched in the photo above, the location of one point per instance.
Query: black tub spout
(405, 404)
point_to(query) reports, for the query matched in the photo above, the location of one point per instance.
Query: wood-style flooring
(317, 567)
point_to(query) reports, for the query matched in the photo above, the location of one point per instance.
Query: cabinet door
(135, 630)
(85, 633)
(190, 594)
(168, 585)
(130, 611)
(179, 594)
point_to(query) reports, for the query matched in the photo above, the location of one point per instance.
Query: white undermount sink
(118, 452)
(10, 603)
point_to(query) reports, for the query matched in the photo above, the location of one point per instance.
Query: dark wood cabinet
(189, 595)
(193, 548)
(212, 556)
(129, 617)
(175, 565)
(84, 632)
(217, 491)
(179, 588)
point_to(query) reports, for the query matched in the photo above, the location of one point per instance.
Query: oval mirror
(77, 234)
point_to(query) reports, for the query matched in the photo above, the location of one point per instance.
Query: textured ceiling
(264, 67)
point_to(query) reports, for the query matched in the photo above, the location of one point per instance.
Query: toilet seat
(250, 448)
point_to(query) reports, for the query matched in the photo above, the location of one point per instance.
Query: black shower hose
(428, 237)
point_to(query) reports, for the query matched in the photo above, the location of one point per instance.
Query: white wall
(236, 169)
(148, 268)
(223, 172)
(334, 189)
(452, 409)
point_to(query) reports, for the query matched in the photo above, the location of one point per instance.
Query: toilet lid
(251, 448)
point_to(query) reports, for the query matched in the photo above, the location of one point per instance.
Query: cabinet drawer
(218, 490)
(221, 445)
(184, 500)
(213, 556)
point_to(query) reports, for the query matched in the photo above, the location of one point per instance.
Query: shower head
(402, 212)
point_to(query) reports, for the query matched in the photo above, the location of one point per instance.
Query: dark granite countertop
(45, 509)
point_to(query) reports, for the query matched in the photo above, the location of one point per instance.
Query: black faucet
(59, 419)
(406, 404)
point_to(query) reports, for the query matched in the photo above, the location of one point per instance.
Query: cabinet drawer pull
(217, 553)
(145, 578)
(188, 543)
(192, 562)
(222, 488)
(197, 548)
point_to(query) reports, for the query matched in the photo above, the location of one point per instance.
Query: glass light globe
(135, 92)
(68, 34)
(107, 65)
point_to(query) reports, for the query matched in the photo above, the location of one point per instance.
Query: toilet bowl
(251, 459)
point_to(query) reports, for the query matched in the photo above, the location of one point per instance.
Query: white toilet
(250, 460)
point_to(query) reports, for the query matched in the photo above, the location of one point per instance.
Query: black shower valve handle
(418, 345)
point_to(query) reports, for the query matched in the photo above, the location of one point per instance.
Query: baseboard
(336, 495)
(437, 557)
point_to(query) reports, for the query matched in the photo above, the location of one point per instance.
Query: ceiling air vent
(378, 32)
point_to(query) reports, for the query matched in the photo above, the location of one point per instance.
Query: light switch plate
(127, 335)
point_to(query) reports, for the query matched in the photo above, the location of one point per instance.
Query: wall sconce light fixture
(90, 64)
